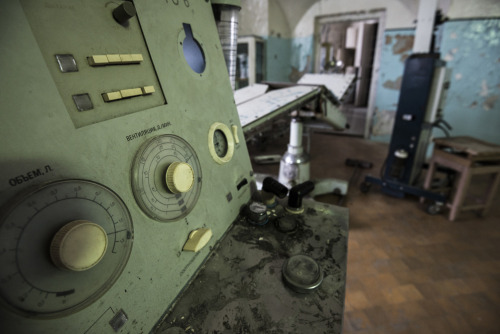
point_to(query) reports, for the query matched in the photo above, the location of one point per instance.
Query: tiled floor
(408, 272)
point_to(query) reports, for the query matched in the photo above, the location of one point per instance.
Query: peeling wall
(396, 48)
(470, 46)
(472, 50)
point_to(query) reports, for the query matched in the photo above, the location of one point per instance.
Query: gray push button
(83, 102)
(67, 63)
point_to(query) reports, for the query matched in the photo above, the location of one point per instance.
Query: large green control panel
(120, 137)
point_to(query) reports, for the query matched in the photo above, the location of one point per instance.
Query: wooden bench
(468, 157)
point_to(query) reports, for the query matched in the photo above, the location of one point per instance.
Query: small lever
(296, 195)
(270, 189)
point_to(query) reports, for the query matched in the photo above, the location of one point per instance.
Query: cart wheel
(365, 187)
(434, 209)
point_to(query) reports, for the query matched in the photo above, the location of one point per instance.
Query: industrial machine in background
(124, 172)
(425, 82)
(423, 91)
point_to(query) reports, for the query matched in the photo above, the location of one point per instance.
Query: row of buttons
(83, 101)
(115, 59)
(126, 93)
(67, 62)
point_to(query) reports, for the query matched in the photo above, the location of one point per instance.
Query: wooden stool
(468, 156)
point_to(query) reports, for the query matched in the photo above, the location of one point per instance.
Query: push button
(148, 90)
(131, 92)
(67, 63)
(83, 102)
(111, 96)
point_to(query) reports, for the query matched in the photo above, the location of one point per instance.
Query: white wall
(399, 13)
(254, 18)
(278, 22)
(295, 18)
(473, 8)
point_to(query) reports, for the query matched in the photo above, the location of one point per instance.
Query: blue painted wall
(472, 50)
(278, 51)
(288, 58)
(397, 46)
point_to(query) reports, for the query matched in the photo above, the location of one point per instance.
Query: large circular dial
(46, 270)
(166, 178)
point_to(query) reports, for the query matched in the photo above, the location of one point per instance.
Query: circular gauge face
(152, 179)
(220, 143)
(30, 281)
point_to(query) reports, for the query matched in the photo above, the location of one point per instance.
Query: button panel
(115, 59)
(127, 93)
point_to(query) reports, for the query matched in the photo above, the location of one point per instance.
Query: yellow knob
(180, 177)
(78, 245)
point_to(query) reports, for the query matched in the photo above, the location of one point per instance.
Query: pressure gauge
(166, 178)
(220, 143)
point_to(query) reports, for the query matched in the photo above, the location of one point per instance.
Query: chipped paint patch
(384, 122)
(489, 103)
(394, 84)
(388, 40)
(448, 57)
(484, 89)
(404, 43)
(458, 76)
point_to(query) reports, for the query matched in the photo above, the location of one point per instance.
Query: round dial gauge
(44, 229)
(220, 143)
(166, 178)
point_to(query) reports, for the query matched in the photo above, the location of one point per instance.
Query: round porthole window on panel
(193, 53)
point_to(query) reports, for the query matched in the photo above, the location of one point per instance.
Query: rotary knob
(78, 245)
(180, 177)
(124, 12)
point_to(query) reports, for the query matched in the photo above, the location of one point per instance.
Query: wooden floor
(407, 271)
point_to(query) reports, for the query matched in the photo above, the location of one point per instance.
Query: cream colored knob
(197, 239)
(78, 245)
(180, 177)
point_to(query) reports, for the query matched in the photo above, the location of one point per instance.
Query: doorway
(351, 43)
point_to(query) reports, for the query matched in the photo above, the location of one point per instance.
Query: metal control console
(120, 137)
